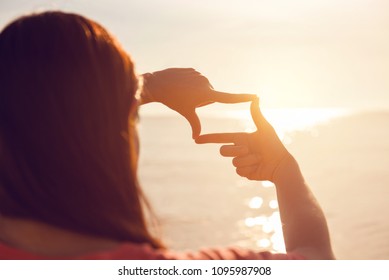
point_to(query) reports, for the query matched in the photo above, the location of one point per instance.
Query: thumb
(256, 114)
(194, 122)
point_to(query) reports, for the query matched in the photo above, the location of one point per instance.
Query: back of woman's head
(66, 88)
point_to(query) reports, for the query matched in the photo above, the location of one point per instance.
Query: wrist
(146, 96)
(288, 169)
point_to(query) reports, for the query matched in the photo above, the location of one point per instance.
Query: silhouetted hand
(184, 90)
(256, 155)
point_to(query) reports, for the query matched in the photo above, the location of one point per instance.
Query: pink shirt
(131, 251)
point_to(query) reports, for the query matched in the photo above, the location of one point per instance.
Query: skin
(182, 90)
(262, 156)
(256, 156)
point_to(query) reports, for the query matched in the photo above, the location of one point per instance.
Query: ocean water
(200, 200)
(196, 193)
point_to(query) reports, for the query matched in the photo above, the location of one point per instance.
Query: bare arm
(262, 156)
(304, 224)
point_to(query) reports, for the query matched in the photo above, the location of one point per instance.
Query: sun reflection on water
(256, 202)
(289, 120)
(264, 243)
(273, 204)
(262, 227)
(267, 184)
(265, 230)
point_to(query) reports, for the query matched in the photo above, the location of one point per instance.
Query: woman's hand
(262, 156)
(257, 155)
(184, 90)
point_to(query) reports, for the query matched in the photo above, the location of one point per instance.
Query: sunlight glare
(249, 222)
(268, 227)
(287, 120)
(267, 184)
(256, 202)
(273, 204)
(277, 240)
(264, 243)
(260, 220)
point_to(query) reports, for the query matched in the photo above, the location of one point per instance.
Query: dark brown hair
(66, 89)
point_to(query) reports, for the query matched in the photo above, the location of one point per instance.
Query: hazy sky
(296, 53)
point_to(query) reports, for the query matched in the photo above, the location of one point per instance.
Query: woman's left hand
(184, 90)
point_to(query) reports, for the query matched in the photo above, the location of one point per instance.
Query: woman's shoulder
(132, 251)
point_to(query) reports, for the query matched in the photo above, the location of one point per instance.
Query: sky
(300, 53)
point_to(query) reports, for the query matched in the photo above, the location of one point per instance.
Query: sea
(201, 202)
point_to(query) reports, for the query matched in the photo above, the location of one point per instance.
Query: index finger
(225, 97)
(221, 138)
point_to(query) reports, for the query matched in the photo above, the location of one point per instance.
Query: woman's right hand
(256, 156)
(262, 156)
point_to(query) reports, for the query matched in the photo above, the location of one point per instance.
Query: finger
(244, 161)
(256, 114)
(194, 122)
(246, 171)
(235, 138)
(205, 104)
(233, 150)
(224, 97)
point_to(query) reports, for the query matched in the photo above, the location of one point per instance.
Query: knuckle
(244, 150)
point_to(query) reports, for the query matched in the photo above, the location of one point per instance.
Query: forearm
(304, 224)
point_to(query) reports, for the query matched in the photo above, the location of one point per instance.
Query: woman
(68, 181)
